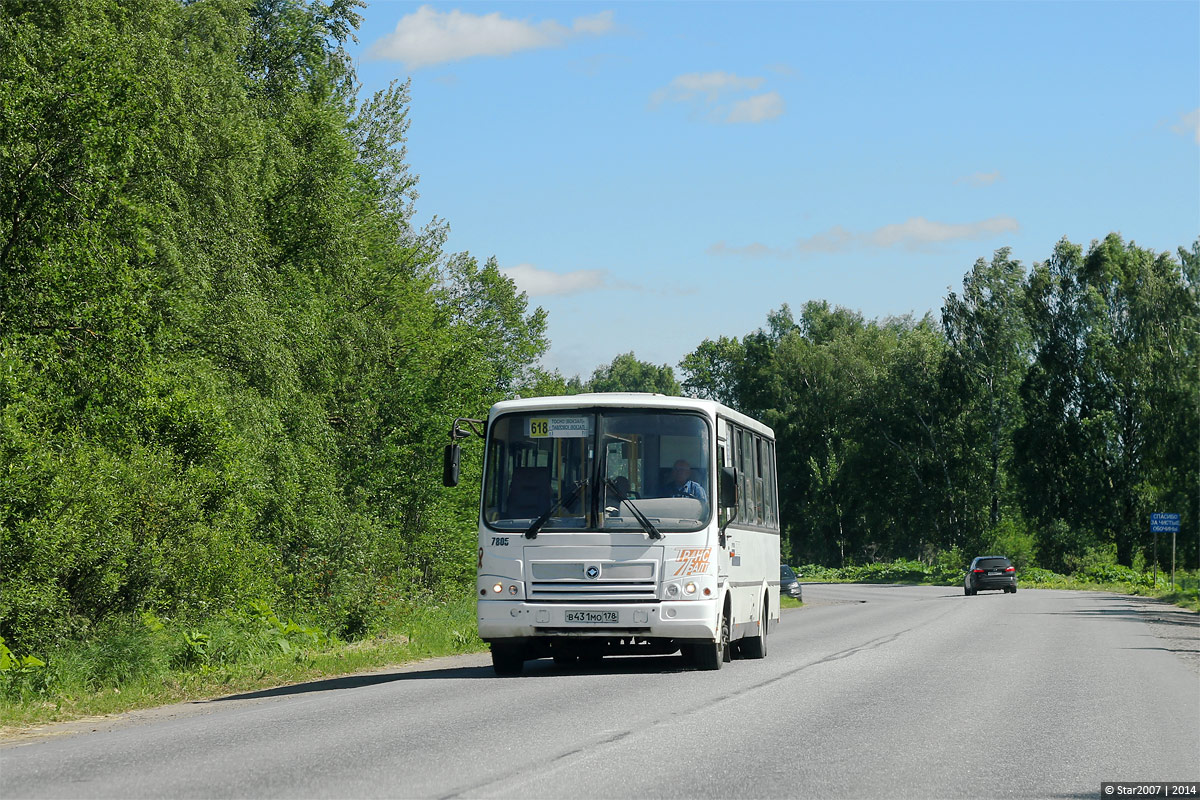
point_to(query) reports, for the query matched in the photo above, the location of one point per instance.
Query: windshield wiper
(532, 531)
(646, 524)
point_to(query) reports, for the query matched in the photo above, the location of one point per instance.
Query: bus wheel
(507, 659)
(756, 646)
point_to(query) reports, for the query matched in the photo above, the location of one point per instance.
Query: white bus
(624, 523)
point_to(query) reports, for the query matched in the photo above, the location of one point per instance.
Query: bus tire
(756, 646)
(508, 660)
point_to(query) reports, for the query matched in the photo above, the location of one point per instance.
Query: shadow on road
(1165, 616)
(541, 668)
(359, 681)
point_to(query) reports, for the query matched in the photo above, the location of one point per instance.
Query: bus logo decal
(692, 560)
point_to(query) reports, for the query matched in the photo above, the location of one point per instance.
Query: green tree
(857, 413)
(1114, 332)
(990, 345)
(627, 374)
(229, 357)
(711, 370)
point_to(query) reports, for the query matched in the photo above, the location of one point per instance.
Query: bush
(951, 561)
(899, 571)
(21, 676)
(1011, 540)
(1038, 575)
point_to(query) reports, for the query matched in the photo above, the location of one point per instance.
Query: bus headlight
(689, 588)
(499, 587)
(672, 590)
(512, 590)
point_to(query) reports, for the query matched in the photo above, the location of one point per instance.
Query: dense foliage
(228, 358)
(625, 373)
(1045, 416)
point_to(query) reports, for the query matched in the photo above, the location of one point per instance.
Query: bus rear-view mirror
(450, 465)
(729, 487)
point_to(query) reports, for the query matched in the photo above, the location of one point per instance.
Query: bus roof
(628, 400)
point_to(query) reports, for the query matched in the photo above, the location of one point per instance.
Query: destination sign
(558, 427)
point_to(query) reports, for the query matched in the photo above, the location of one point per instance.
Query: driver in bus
(682, 485)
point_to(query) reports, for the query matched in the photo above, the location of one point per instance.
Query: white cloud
(709, 85)
(428, 36)
(718, 95)
(1189, 125)
(754, 250)
(912, 234)
(538, 282)
(981, 178)
(918, 231)
(760, 108)
(597, 24)
(833, 240)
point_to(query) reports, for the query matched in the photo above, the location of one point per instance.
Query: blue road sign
(1162, 522)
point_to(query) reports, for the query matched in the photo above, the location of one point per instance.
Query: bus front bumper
(505, 619)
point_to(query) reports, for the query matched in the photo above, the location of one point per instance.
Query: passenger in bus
(682, 485)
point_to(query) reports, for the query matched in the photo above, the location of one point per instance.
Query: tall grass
(144, 660)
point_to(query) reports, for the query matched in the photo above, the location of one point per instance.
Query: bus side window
(772, 486)
(746, 451)
(762, 487)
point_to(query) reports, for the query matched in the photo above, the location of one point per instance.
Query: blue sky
(654, 174)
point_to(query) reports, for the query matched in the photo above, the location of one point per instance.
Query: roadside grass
(146, 661)
(1183, 595)
(1102, 578)
(899, 571)
(1184, 599)
(790, 602)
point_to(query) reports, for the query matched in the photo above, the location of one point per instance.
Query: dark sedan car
(990, 572)
(789, 586)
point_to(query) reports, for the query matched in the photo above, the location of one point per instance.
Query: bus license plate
(592, 617)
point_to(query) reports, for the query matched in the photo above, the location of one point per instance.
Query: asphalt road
(868, 691)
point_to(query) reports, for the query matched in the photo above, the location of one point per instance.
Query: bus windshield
(590, 469)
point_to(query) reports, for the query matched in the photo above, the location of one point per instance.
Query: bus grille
(566, 581)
